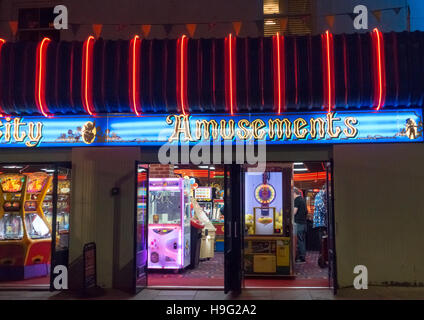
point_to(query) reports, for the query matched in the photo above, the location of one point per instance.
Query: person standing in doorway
(300, 212)
(320, 221)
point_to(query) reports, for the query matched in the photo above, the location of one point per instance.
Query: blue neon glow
(152, 130)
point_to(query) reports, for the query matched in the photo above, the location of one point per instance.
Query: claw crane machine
(169, 223)
(25, 234)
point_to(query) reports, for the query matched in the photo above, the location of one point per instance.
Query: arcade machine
(25, 234)
(218, 223)
(267, 246)
(207, 247)
(203, 196)
(62, 218)
(169, 223)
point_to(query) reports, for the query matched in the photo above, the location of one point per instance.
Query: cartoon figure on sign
(89, 132)
(411, 128)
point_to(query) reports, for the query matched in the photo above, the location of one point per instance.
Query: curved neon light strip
(279, 69)
(230, 66)
(279, 73)
(134, 72)
(329, 71)
(182, 73)
(379, 69)
(231, 72)
(87, 73)
(295, 72)
(2, 42)
(40, 94)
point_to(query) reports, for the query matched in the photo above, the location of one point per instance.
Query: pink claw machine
(169, 223)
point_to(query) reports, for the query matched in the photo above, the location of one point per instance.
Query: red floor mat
(27, 283)
(210, 273)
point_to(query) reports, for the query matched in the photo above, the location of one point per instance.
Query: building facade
(376, 184)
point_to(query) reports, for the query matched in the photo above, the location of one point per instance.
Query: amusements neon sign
(259, 129)
(292, 128)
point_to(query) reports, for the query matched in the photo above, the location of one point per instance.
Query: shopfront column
(103, 212)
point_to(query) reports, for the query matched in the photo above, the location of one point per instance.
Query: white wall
(100, 217)
(379, 212)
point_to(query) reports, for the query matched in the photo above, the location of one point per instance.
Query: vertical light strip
(345, 69)
(378, 42)
(295, 72)
(134, 65)
(2, 42)
(230, 72)
(181, 75)
(328, 69)
(87, 75)
(279, 73)
(40, 77)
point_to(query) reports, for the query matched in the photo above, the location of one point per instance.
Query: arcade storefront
(149, 149)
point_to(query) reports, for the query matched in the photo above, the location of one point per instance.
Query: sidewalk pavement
(373, 293)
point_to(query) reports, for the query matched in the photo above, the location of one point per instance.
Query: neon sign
(294, 128)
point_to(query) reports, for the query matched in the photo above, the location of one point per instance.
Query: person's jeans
(301, 241)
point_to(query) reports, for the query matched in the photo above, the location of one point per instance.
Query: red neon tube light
(295, 71)
(40, 77)
(87, 75)
(2, 42)
(379, 65)
(230, 74)
(182, 74)
(134, 72)
(328, 69)
(279, 73)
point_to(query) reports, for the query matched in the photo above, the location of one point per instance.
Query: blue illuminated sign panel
(294, 128)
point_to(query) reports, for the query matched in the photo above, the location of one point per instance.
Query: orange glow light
(312, 176)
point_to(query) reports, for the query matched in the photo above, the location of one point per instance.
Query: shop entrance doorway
(180, 240)
(34, 223)
(288, 226)
(231, 227)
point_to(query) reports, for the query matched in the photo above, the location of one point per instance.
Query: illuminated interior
(184, 208)
(27, 223)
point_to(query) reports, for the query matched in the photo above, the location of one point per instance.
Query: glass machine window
(267, 241)
(26, 214)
